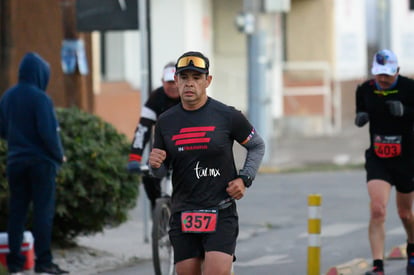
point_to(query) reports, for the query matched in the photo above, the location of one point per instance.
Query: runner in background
(387, 103)
(160, 100)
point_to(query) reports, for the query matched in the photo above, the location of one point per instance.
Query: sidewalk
(114, 247)
(345, 148)
(125, 244)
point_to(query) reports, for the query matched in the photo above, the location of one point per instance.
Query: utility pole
(384, 23)
(149, 45)
(76, 93)
(256, 65)
(145, 46)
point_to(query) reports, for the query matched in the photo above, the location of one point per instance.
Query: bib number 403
(199, 221)
(387, 146)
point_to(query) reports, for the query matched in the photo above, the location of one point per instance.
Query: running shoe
(50, 270)
(410, 264)
(375, 271)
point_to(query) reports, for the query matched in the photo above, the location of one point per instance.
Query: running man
(195, 139)
(387, 103)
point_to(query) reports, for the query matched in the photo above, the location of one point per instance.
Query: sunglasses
(187, 60)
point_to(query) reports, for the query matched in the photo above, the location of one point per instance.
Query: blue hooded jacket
(27, 116)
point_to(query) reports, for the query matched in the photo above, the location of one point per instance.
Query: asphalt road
(273, 224)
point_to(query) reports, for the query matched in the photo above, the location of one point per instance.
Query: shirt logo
(249, 137)
(385, 93)
(188, 137)
(205, 171)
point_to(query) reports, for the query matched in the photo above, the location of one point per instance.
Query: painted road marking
(396, 231)
(266, 260)
(338, 229)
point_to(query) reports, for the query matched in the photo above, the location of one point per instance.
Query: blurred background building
(291, 65)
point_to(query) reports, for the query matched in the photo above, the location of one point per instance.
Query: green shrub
(94, 189)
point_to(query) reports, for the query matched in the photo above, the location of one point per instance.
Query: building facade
(311, 55)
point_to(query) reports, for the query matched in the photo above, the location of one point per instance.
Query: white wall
(115, 58)
(402, 35)
(371, 22)
(275, 78)
(123, 57)
(176, 27)
(179, 26)
(133, 58)
(350, 39)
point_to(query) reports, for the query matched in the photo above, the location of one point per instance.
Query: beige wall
(120, 105)
(310, 31)
(230, 50)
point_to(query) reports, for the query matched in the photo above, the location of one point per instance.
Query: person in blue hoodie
(28, 123)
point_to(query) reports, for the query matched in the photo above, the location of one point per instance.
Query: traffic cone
(398, 252)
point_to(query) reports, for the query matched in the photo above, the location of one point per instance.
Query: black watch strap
(246, 180)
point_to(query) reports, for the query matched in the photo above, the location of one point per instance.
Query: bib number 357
(199, 221)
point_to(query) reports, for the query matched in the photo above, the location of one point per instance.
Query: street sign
(106, 15)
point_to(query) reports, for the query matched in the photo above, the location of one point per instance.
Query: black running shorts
(193, 245)
(396, 171)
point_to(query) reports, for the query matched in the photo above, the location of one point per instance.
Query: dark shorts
(396, 171)
(193, 245)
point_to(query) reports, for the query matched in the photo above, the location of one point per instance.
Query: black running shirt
(371, 100)
(199, 146)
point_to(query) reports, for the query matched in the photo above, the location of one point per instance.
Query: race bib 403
(199, 221)
(387, 146)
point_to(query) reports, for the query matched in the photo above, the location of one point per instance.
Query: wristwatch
(246, 180)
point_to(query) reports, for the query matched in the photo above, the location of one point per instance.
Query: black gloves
(134, 166)
(395, 107)
(361, 119)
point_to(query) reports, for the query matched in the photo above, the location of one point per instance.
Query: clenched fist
(157, 157)
(361, 119)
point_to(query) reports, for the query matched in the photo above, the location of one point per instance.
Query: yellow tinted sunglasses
(186, 60)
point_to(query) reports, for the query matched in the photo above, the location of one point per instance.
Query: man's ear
(209, 78)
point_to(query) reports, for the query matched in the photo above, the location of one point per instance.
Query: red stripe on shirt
(192, 140)
(198, 129)
(189, 135)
